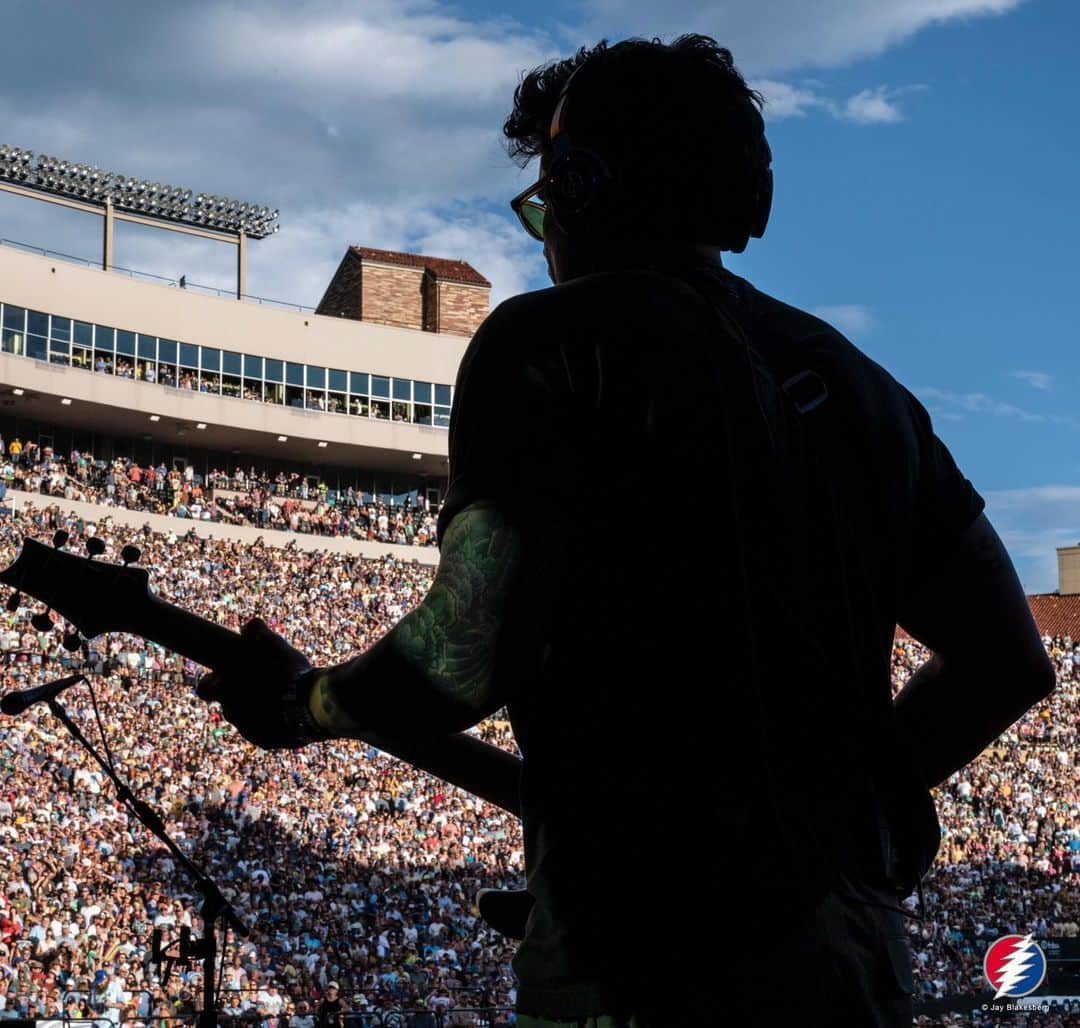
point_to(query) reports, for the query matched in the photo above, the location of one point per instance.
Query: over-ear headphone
(579, 179)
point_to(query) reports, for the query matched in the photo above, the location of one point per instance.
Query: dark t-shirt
(330, 1012)
(592, 415)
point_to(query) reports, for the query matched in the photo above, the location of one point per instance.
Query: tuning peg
(72, 641)
(42, 622)
(59, 539)
(129, 554)
(95, 546)
(14, 601)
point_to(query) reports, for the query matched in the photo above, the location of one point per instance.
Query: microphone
(16, 702)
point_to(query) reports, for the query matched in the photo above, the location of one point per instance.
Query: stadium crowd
(357, 873)
(286, 501)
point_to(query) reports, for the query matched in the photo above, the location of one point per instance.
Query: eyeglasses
(531, 211)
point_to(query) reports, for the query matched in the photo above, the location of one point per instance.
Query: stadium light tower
(86, 187)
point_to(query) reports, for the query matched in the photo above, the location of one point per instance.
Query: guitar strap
(902, 809)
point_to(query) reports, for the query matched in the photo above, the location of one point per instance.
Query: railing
(176, 283)
(377, 1017)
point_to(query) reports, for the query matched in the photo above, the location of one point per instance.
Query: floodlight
(161, 199)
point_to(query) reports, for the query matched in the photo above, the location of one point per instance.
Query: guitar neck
(461, 759)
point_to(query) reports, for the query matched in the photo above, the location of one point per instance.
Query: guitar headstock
(95, 597)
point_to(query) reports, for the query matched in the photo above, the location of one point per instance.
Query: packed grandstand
(357, 873)
(285, 501)
(355, 869)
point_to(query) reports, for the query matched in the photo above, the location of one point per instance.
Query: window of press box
(60, 330)
(104, 342)
(62, 340)
(37, 324)
(35, 347)
(230, 385)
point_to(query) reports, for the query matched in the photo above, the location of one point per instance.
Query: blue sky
(925, 158)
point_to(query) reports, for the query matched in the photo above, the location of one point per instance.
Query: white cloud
(372, 52)
(770, 36)
(374, 122)
(876, 106)
(872, 107)
(377, 124)
(942, 403)
(852, 319)
(784, 100)
(1033, 523)
(1036, 379)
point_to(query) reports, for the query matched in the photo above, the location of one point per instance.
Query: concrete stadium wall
(18, 500)
(130, 397)
(109, 298)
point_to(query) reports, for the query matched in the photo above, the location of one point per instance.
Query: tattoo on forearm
(452, 635)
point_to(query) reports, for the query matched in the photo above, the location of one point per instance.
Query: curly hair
(677, 124)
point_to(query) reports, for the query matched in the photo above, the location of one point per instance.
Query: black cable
(101, 727)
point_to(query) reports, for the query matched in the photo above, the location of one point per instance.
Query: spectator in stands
(332, 812)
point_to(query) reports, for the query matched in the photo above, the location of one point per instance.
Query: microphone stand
(214, 904)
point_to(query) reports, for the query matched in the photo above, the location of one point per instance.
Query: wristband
(296, 709)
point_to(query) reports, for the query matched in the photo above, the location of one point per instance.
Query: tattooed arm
(435, 670)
